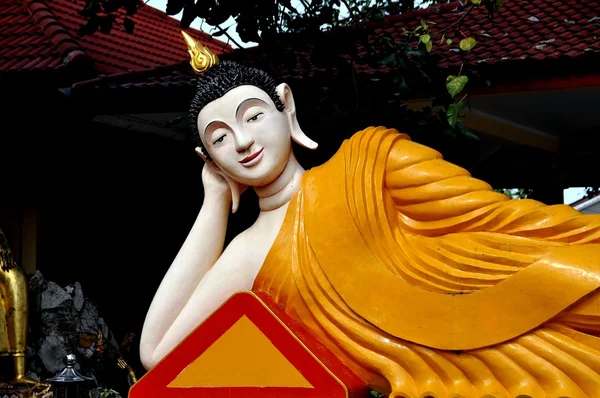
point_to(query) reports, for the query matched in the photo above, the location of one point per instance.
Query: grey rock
(58, 318)
(52, 353)
(88, 318)
(86, 352)
(78, 297)
(103, 328)
(54, 296)
(60, 321)
(34, 366)
(37, 282)
(32, 374)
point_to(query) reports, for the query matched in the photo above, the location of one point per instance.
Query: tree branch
(455, 23)
(277, 17)
(307, 8)
(350, 12)
(223, 31)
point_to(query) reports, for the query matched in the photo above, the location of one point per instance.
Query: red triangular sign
(249, 348)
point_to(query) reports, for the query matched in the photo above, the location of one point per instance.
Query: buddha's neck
(280, 192)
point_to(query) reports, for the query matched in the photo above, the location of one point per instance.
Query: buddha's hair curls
(221, 78)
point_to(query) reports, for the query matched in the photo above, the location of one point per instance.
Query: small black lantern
(69, 383)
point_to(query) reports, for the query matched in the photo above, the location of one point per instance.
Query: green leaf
(467, 132)
(428, 46)
(453, 113)
(493, 6)
(449, 41)
(424, 24)
(467, 44)
(189, 14)
(129, 25)
(106, 23)
(476, 1)
(425, 38)
(455, 84)
(415, 53)
(402, 85)
(174, 7)
(389, 60)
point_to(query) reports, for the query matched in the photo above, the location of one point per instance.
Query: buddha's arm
(435, 197)
(229, 275)
(200, 251)
(424, 186)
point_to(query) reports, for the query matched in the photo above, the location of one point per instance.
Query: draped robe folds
(425, 281)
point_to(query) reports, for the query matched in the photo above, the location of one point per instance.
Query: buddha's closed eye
(219, 140)
(255, 117)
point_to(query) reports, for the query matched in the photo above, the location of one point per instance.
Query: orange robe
(425, 281)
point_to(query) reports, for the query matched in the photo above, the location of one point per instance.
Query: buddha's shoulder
(384, 142)
(381, 138)
(378, 132)
(375, 147)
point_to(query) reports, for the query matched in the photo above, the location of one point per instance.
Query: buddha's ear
(285, 93)
(236, 188)
(200, 152)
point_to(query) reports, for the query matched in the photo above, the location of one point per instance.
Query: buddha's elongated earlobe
(236, 188)
(236, 192)
(285, 93)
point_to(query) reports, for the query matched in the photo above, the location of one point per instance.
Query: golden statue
(201, 58)
(14, 311)
(421, 278)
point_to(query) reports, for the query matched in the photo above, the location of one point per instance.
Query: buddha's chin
(260, 175)
(260, 181)
(257, 178)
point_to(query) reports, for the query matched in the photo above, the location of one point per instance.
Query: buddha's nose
(243, 141)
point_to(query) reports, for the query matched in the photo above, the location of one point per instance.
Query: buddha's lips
(248, 159)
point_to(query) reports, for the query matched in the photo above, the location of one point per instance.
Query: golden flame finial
(202, 58)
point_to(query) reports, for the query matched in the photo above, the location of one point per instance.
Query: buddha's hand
(214, 182)
(220, 186)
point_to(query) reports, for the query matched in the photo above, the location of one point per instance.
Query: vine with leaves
(338, 35)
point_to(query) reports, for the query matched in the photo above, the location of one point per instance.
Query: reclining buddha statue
(422, 279)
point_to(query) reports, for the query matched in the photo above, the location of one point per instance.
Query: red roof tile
(522, 30)
(31, 39)
(156, 39)
(39, 35)
(176, 75)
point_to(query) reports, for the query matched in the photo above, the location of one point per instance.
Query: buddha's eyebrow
(236, 112)
(210, 124)
(246, 100)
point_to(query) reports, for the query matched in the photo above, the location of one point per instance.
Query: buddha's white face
(246, 136)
